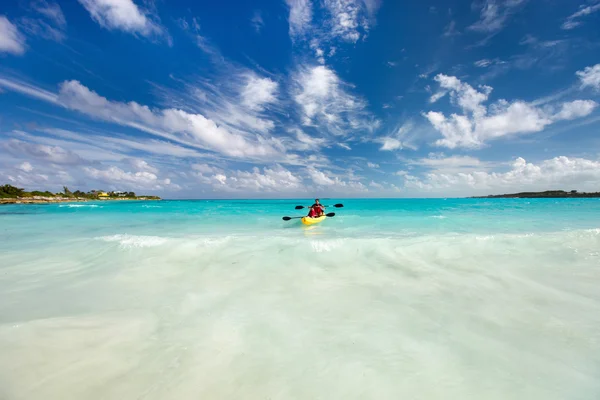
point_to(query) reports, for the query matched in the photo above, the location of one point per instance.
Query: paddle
(288, 218)
(335, 205)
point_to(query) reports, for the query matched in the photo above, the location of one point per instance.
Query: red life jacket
(313, 212)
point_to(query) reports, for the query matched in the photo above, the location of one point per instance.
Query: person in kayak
(316, 210)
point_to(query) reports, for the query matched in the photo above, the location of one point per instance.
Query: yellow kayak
(311, 221)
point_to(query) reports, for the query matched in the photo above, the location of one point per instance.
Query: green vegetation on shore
(549, 194)
(12, 192)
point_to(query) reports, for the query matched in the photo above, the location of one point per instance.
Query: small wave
(80, 205)
(133, 241)
(486, 237)
(325, 246)
(149, 206)
(439, 216)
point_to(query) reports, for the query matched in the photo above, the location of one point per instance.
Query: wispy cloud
(49, 23)
(494, 14)
(257, 21)
(344, 20)
(189, 128)
(52, 154)
(451, 30)
(401, 137)
(325, 102)
(350, 19)
(574, 20)
(547, 55)
(11, 40)
(28, 89)
(126, 16)
(300, 17)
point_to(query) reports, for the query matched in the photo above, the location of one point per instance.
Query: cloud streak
(574, 20)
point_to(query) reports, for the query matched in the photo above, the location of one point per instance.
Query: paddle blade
(330, 215)
(286, 218)
(299, 207)
(338, 205)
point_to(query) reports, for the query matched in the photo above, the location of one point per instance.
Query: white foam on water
(320, 246)
(439, 216)
(80, 205)
(132, 241)
(294, 317)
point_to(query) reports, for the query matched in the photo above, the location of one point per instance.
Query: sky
(300, 98)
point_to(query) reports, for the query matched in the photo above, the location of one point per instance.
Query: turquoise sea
(390, 299)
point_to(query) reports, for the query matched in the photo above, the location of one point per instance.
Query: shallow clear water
(423, 299)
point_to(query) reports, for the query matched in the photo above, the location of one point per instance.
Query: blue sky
(295, 98)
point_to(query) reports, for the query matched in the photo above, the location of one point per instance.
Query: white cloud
(22, 176)
(275, 179)
(436, 96)
(127, 180)
(11, 40)
(258, 92)
(307, 142)
(122, 15)
(494, 14)
(319, 53)
(205, 168)
(141, 165)
(26, 167)
(300, 16)
(346, 20)
(333, 183)
(479, 124)
(257, 21)
(121, 145)
(573, 20)
(372, 165)
(319, 177)
(556, 173)
(399, 138)
(575, 109)
(174, 124)
(590, 77)
(51, 154)
(390, 143)
(325, 103)
(344, 146)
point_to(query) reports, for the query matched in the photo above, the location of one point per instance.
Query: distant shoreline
(51, 200)
(549, 194)
(13, 195)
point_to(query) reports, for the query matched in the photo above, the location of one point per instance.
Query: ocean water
(390, 299)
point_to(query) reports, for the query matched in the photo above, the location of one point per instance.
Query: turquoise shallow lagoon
(407, 298)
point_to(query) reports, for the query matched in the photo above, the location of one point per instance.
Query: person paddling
(316, 210)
